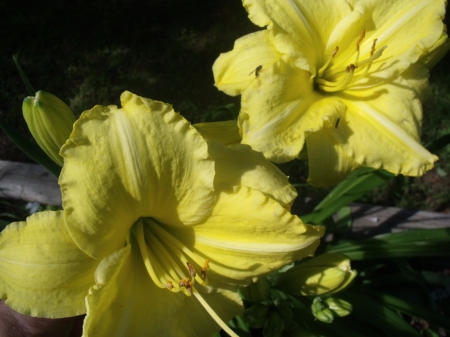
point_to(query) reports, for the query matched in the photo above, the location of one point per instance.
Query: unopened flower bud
(50, 122)
(325, 274)
(257, 292)
(339, 307)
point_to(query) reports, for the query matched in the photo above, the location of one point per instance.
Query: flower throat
(330, 80)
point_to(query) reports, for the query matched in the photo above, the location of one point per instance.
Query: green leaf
(405, 307)
(420, 242)
(439, 143)
(30, 148)
(374, 313)
(25, 80)
(358, 183)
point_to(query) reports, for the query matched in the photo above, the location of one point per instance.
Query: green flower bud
(256, 315)
(257, 292)
(274, 325)
(325, 315)
(50, 122)
(339, 307)
(325, 274)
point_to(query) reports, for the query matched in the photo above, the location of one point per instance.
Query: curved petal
(384, 132)
(327, 162)
(122, 164)
(299, 28)
(240, 165)
(251, 240)
(394, 24)
(226, 132)
(236, 70)
(42, 272)
(274, 114)
(127, 303)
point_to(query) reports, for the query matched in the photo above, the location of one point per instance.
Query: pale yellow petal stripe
(127, 303)
(122, 164)
(251, 56)
(42, 272)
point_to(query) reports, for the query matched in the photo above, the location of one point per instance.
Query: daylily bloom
(158, 231)
(346, 77)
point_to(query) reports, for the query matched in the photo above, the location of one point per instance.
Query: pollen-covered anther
(191, 269)
(204, 269)
(186, 283)
(373, 47)
(169, 285)
(361, 37)
(351, 67)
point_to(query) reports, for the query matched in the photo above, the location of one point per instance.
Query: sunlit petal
(118, 167)
(42, 272)
(127, 303)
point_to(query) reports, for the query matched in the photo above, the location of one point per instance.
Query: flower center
(330, 79)
(171, 265)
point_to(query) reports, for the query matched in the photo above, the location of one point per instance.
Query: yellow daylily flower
(50, 122)
(346, 77)
(174, 224)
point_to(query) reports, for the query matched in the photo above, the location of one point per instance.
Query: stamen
(325, 66)
(327, 86)
(213, 314)
(175, 272)
(146, 255)
(171, 241)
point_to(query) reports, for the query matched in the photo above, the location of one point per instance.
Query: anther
(351, 68)
(191, 269)
(361, 37)
(169, 285)
(205, 267)
(335, 52)
(373, 47)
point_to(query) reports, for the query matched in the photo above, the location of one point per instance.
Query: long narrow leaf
(30, 148)
(357, 184)
(405, 307)
(414, 243)
(25, 80)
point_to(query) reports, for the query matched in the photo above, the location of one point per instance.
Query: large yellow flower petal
(383, 133)
(271, 114)
(226, 132)
(126, 302)
(299, 28)
(42, 272)
(327, 162)
(240, 165)
(122, 164)
(236, 70)
(249, 240)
